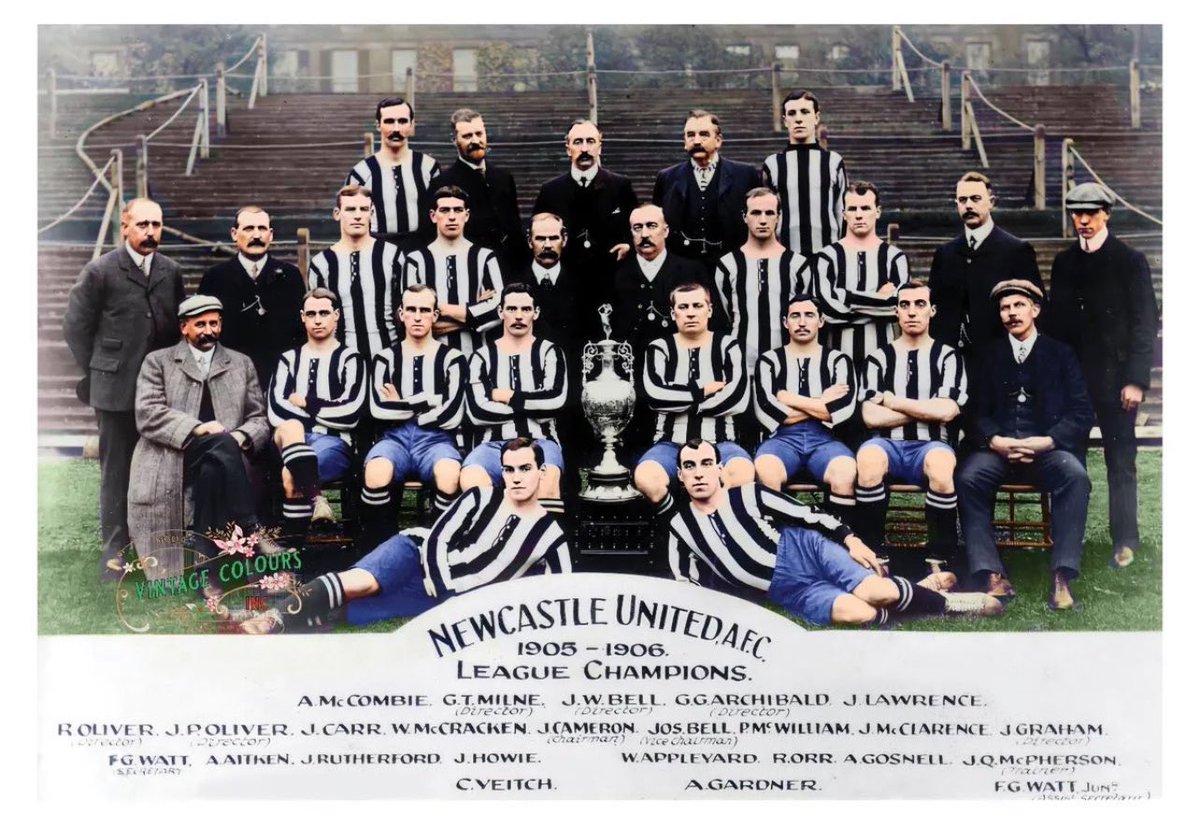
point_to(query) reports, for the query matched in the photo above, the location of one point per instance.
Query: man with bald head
(641, 300)
(593, 202)
(121, 308)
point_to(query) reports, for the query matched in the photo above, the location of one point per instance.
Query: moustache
(474, 146)
(697, 149)
(395, 137)
(968, 214)
(547, 253)
(645, 242)
(257, 242)
(150, 241)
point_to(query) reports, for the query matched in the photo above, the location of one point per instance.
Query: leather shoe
(999, 587)
(322, 512)
(1060, 592)
(1122, 557)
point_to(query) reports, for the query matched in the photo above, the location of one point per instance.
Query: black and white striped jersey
(805, 376)
(397, 192)
(673, 379)
(810, 181)
(479, 541)
(755, 292)
(538, 380)
(333, 385)
(857, 320)
(460, 278)
(935, 370)
(363, 281)
(431, 386)
(739, 540)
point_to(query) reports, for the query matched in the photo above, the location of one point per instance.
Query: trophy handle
(624, 353)
(589, 357)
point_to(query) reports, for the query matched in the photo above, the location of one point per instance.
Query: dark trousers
(118, 437)
(215, 472)
(1058, 472)
(1120, 458)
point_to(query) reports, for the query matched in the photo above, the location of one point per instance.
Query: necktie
(203, 362)
(971, 242)
(1021, 352)
(546, 282)
(254, 271)
(144, 266)
(704, 173)
(583, 182)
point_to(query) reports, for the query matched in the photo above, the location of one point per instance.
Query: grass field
(72, 601)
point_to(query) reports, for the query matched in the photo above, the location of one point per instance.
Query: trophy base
(616, 537)
(611, 487)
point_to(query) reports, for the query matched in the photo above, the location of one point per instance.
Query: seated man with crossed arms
(753, 540)
(486, 536)
(314, 400)
(517, 385)
(417, 397)
(696, 382)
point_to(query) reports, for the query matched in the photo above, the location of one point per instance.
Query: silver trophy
(608, 404)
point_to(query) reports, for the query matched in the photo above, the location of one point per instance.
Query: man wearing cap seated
(199, 409)
(1103, 307)
(1030, 425)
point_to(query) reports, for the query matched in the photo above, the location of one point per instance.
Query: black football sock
(870, 512)
(297, 516)
(442, 501)
(378, 520)
(843, 507)
(941, 519)
(301, 462)
(916, 600)
(316, 600)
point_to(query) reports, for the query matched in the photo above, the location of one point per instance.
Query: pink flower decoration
(276, 581)
(212, 603)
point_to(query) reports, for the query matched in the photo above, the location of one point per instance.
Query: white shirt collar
(247, 263)
(981, 232)
(1027, 344)
(1096, 241)
(203, 359)
(141, 261)
(540, 272)
(476, 167)
(712, 164)
(650, 268)
(590, 174)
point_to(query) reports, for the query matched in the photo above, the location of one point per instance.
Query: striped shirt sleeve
(558, 558)
(444, 538)
(342, 411)
(841, 409)
(953, 377)
(733, 397)
(770, 412)
(834, 306)
(872, 376)
(663, 394)
(279, 408)
(549, 400)
(783, 511)
(446, 411)
(481, 408)
(382, 373)
(483, 316)
(682, 560)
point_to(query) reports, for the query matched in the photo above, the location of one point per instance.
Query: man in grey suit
(199, 410)
(121, 308)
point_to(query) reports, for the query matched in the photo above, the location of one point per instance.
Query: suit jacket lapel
(131, 271)
(187, 361)
(220, 362)
(724, 179)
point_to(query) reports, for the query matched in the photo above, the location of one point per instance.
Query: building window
(402, 60)
(1037, 54)
(286, 64)
(345, 72)
(466, 78)
(787, 52)
(106, 63)
(738, 50)
(979, 56)
(839, 52)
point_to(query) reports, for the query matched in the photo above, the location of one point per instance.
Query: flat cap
(198, 305)
(1089, 196)
(1018, 286)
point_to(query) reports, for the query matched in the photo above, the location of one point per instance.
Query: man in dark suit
(121, 308)
(641, 299)
(495, 221)
(594, 203)
(1103, 305)
(567, 303)
(1031, 423)
(965, 270)
(703, 197)
(262, 296)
